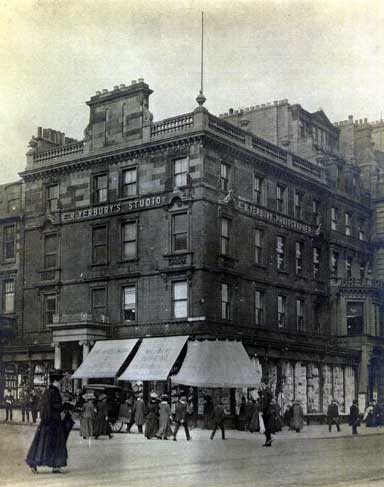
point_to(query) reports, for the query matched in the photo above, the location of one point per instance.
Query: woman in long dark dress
(152, 418)
(101, 424)
(48, 447)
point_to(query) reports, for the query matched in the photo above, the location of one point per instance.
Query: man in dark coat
(266, 396)
(48, 447)
(181, 417)
(9, 401)
(138, 414)
(333, 416)
(25, 403)
(218, 420)
(354, 419)
(34, 404)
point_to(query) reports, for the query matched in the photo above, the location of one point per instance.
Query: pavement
(313, 458)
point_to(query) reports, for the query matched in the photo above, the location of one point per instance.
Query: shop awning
(216, 364)
(154, 359)
(105, 359)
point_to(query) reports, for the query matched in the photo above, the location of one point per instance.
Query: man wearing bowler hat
(48, 447)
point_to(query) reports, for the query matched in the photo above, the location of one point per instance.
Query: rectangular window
(361, 235)
(363, 266)
(258, 246)
(129, 240)
(348, 267)
(258, 185)
(281, 199)
(180, 299)
(299, 257)
(298, 205)
(53, 198)
(99, 245)
(347, 221)
(180, 172)
(129, 303)
(99, 306)
(316, 262)
(224, 176)
(316, 212)
(280, 253)
(299, 315)
(224, 238)
(179, 232)
(281, 311)
(225, 301)
(9, 242)
(100, 188)
(13, 205)
(334, 263)
(50, 251)
(50, 303)
(9, 296)
(355, 318)
(130, 182)
(259, 308)
(333, 218)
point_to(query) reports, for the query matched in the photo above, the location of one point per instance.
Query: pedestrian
(9, 401)
(181, 417)
(165, 419)
(49, 447)
(242, 417)
(125, 413)
(276, 418)
(218, 420)
(207, 411)
(297, 421)
(25, 405)
(368, 416)
(354, 418)
(87, 416)
(33, 405)
(152, 417)
(138, 414)
(265, 394)
(101, 423)
(254, 422)
(288, 416)
(333, 416)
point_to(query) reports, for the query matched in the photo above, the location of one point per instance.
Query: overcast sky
(55, 54)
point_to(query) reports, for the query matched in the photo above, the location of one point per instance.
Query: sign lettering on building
(97, 211)
(276, 218)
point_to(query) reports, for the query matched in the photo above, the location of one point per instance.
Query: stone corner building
(263, 225)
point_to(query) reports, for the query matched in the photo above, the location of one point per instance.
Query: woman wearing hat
(101, 425)
(165, 418)
(152, 417)
(87, 417)
(48, 447)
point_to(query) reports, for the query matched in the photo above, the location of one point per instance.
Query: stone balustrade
(59, 152)
(173, 124)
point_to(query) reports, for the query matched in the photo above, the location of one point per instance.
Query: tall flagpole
(201, 98)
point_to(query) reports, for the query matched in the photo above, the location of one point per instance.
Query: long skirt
(165, 429)
(151, 426)
(86, 427)
(48, 447)
(101, 426)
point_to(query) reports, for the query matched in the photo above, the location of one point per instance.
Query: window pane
(130, 176)
(180, 223)
(129, 250)
(180, 290)
(50, 243)
(180, 309)
(50, 261)
(180, 242)
(100, 254)
(129, 296)
(224, 227)
(180, 166)
(130, 231)
(99, 235)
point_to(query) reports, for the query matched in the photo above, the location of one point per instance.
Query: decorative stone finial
(200, 98)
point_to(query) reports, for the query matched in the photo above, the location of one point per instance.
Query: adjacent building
(256, 228)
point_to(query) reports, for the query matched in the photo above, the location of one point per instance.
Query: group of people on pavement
(29, 405)
(374, 415)
(156, 418)
(94, 416)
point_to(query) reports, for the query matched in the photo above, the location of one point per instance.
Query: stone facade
(195, 226)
